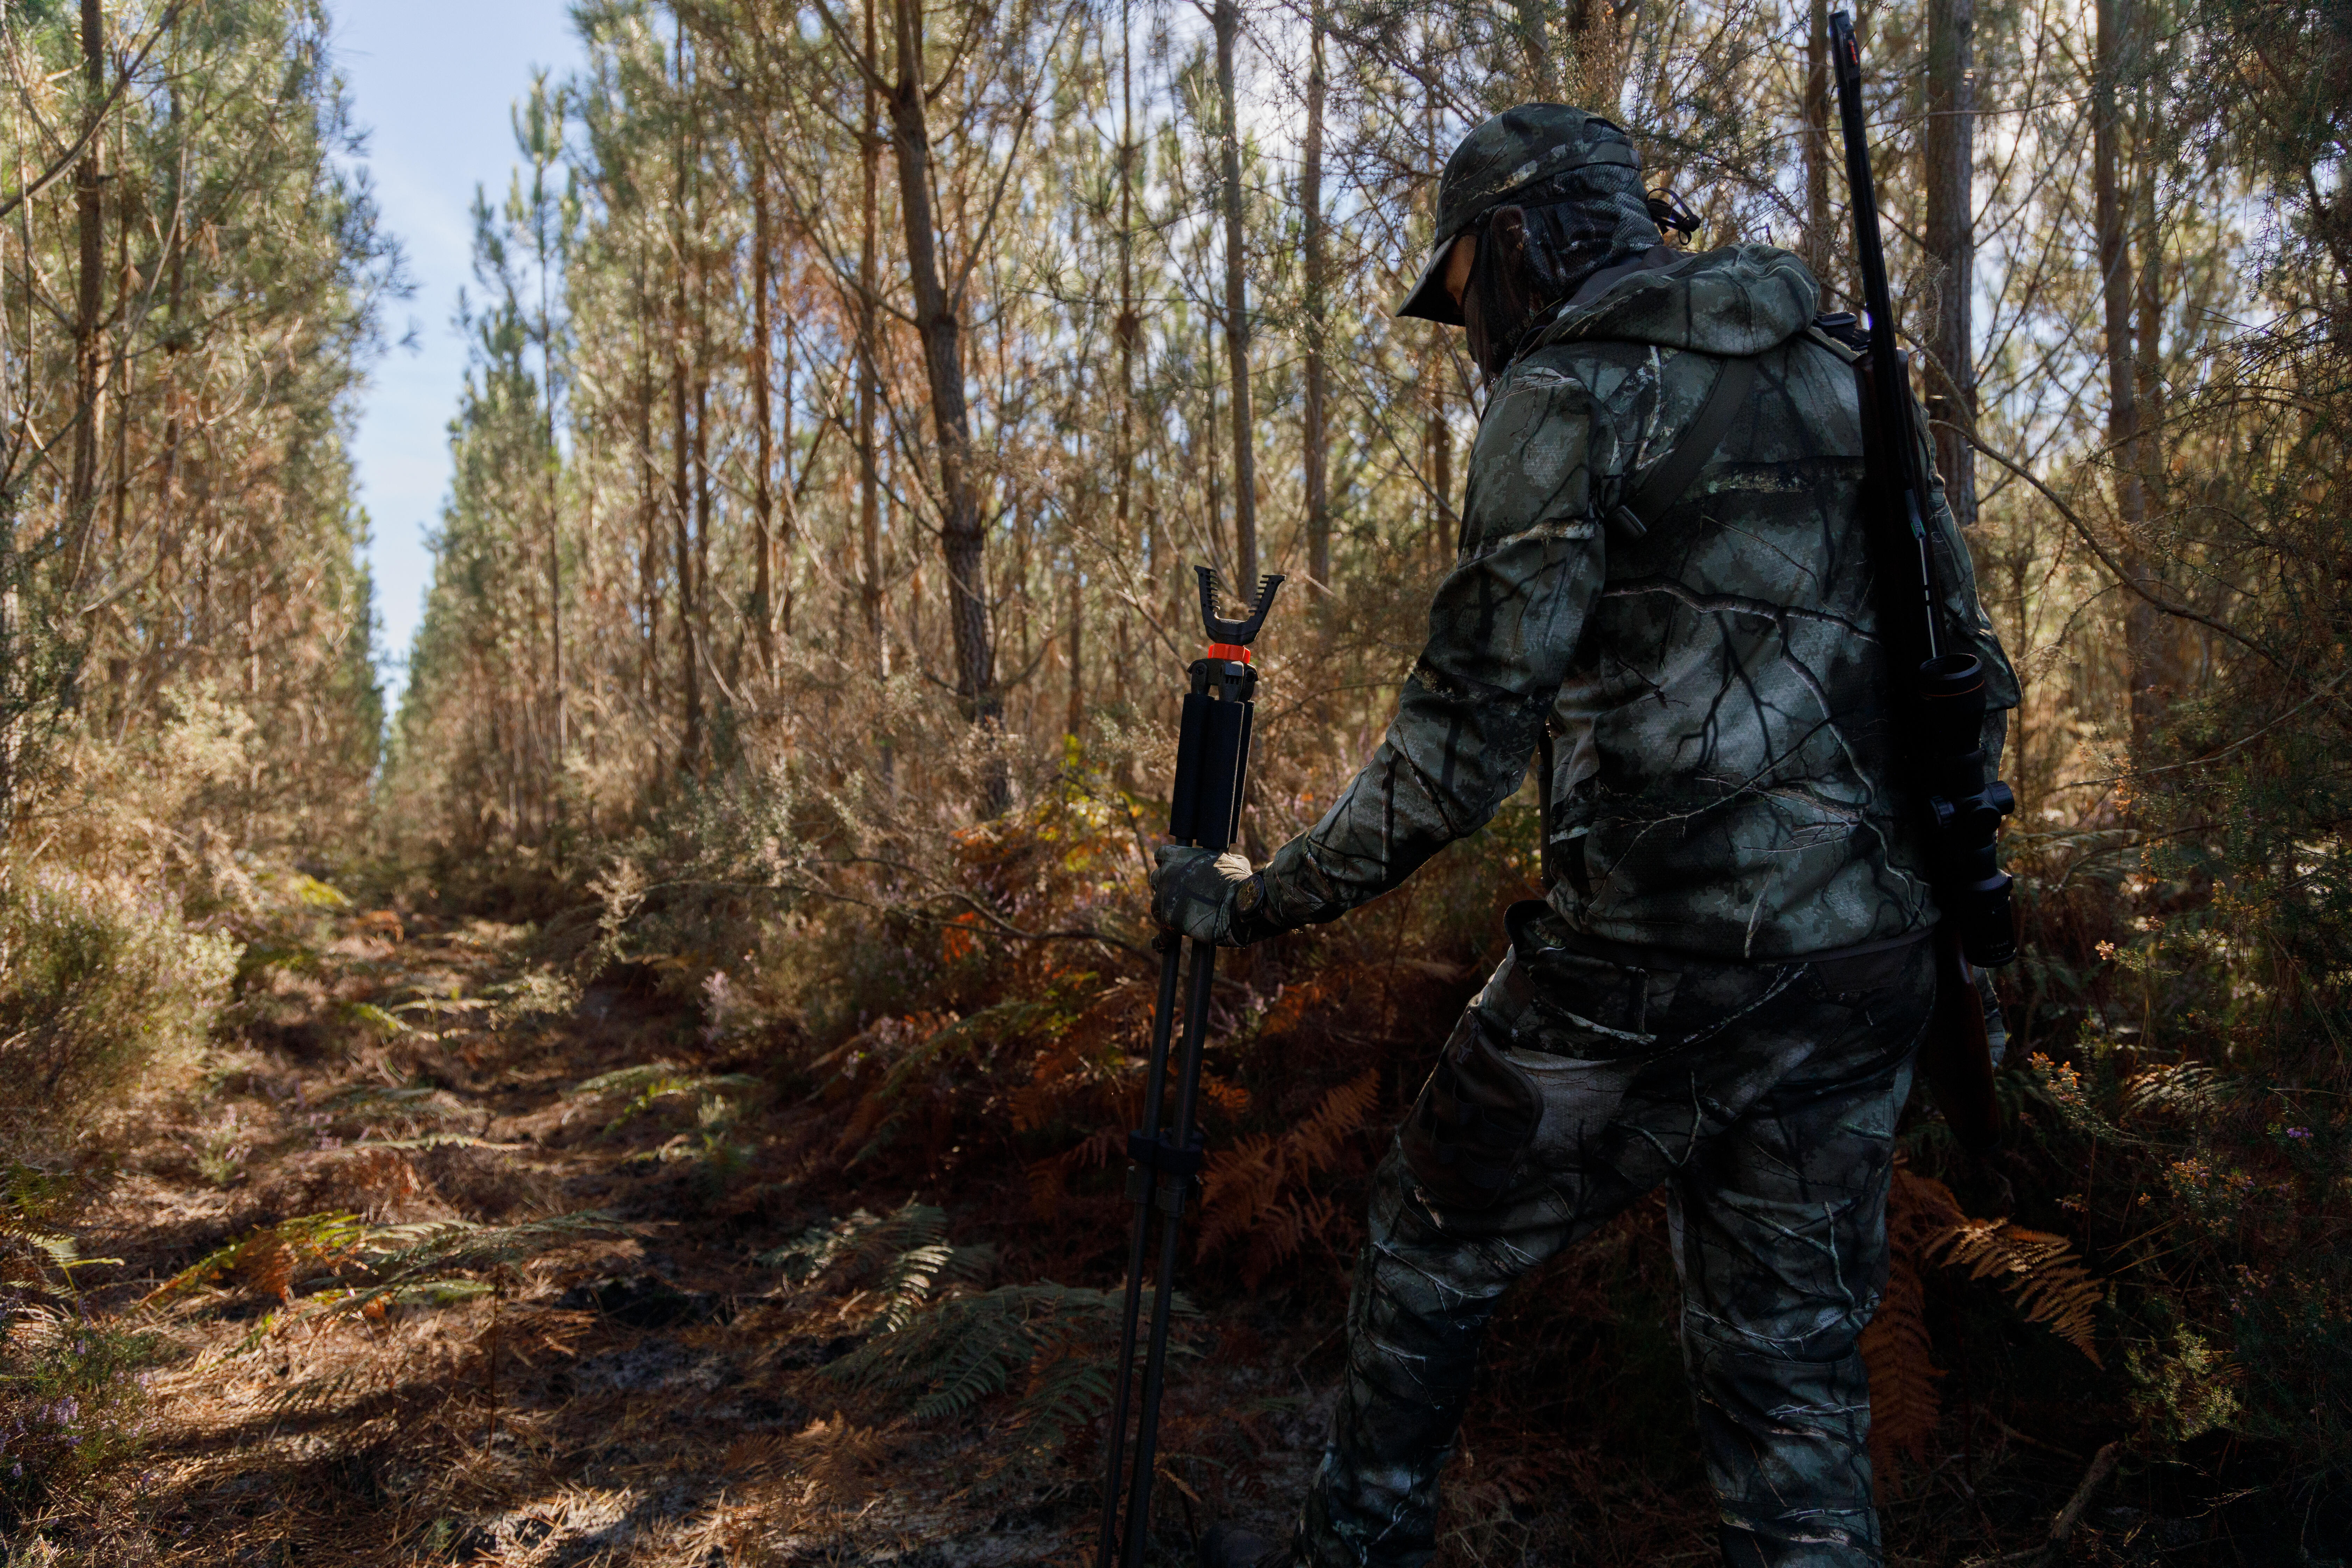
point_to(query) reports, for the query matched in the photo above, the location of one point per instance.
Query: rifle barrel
(1890, 376)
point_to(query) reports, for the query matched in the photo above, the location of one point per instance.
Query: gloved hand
(1205, 895)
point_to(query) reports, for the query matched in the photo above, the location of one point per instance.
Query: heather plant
(99, 985)
(71, 1384)
(71, 1394)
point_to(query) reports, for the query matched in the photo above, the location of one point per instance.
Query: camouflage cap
(1514, 152)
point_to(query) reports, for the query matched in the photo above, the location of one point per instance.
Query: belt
(1634, 955)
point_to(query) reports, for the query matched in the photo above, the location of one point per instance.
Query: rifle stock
(1957, 1056)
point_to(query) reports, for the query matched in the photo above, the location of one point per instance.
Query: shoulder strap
(1663, 488)
(1675, 472)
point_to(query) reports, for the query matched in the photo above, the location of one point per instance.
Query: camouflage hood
(1741, 300)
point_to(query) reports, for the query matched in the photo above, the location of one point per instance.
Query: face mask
(1532, 257)
(1500, 302)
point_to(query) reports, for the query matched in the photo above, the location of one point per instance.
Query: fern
(2189, 1090)
(908, 1248)
(1926, 1225)
(416, 1259)
(367, 1268)
(375, 1017)
(1243, 1187)
(2038, 1271)
(944, 1348)
(1058, 1344)
(651, 1083)
(1904, 1407)
(268, 1258)
(29, 1199)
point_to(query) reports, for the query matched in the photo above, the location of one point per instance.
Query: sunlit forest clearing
(655, 1091)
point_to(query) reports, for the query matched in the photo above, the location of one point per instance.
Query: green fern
(351, 1266)
(376, 1018)
(651, 1083)
(902, 1245)
(29, 1198)
(403, 1263)
(1055, 1345)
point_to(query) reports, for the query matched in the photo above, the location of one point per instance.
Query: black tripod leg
(1171, 1214)
(1163, 1018)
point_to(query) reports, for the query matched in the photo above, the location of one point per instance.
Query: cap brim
(1429, 299)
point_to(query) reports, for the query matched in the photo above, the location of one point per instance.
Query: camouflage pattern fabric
(1725, 989)
(1764, 1097)
(1535, 153)
(1722, 784)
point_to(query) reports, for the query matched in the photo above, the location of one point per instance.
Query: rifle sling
(1665, 483)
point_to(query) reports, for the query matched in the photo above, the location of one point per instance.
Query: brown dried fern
(2038, 1271)
(1926, 1225)
(1257, 1188)
(1904, 1407)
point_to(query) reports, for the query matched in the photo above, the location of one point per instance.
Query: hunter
(1723, 990)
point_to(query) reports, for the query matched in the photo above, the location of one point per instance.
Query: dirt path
(643, 1383)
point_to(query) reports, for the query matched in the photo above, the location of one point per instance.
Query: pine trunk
(1952, 247)
(2111, 219)
(763, 459)
(90, 199)
(963, 539)
(1593, 29)
(1228, 21)
(1315, 437)
(1821, 242)
(869, 478)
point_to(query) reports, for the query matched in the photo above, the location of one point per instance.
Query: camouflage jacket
(1722, 768)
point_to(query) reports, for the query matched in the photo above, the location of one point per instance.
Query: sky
(432, 81)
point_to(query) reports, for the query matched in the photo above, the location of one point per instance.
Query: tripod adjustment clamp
(1177, 1165)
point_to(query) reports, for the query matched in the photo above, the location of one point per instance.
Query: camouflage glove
(1208, 897)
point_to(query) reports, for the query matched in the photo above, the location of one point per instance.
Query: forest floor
(640, 1389)
(649, 1384)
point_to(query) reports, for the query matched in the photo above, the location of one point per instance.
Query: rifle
(1213, 748)
(1943, 718)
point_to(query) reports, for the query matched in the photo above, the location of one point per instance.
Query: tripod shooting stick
(1204, 810)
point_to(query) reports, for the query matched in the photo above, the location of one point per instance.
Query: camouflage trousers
(1764, 1097)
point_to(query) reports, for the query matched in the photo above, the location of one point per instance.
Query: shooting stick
(1204, 811)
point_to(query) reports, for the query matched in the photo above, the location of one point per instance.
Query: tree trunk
(648, 512)
(681, 501)
(1227, 20)
(763, 500)
(2157, 646)
(1443, 529)
(1074, 724)
(963, 542)
(2110, 218)
(1315, 438)
(869, 479)
(1951, 246)
(788, 533)
(1595, 37)
(90, 195)
(689, 748)
(1532, 24)
(1130, 328)
(1821, 244)
(551, 500)
(702, 508)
